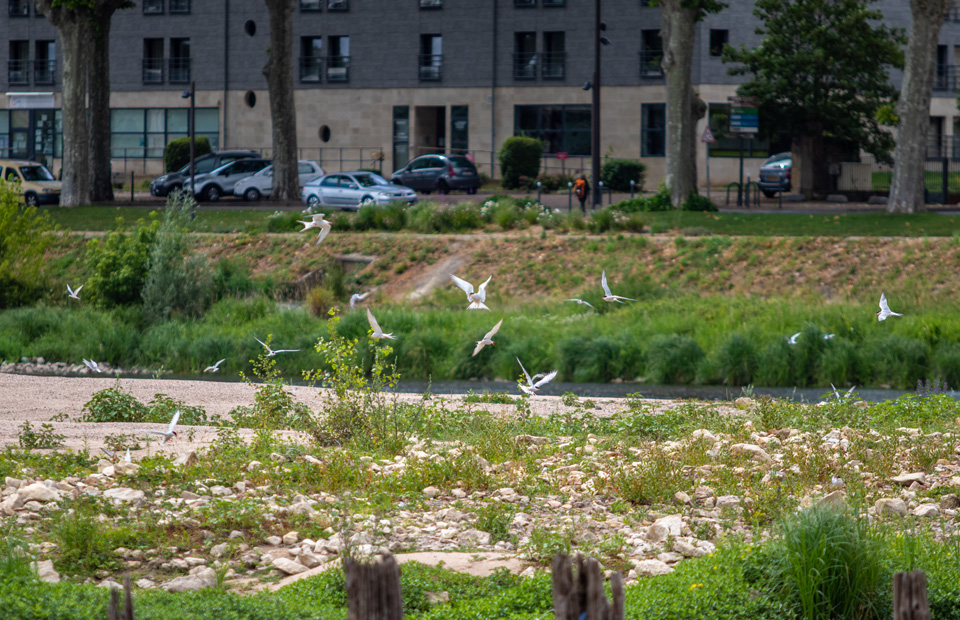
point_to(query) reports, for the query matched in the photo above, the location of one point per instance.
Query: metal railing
(525, 65)
(311, 5)
(945, 77)
(311, 68)
(650, 64)
(431, 67)
(431, 4)
(954, 15)
(547, 3)
(152, 7)
(152, 70)
(44, 71)
(19, 8)
(179, 70)
(179, 7)
(18, 71)
(337, 68)
(524, 4)
(554, 65)
(338, 5)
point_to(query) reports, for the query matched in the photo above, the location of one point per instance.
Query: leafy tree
(25, 235)
(519, 157)
(821, 72)
(120, 263)
(283, 112)
(906, 189)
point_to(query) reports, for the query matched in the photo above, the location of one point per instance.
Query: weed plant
(44, 438)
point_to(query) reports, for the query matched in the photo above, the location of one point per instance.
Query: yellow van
(37, 184)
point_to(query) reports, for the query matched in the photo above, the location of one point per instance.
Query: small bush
(120, 262)
(616, 174)
(320, 300)
(505, 215)
(231, 278)
(946, 363)
(519, 156)
(284, 221)
(898, 361)
(640, 204)
(673, 359)
(736, 360)
(654, 481)
(177, 153)
(391, 216)
(42, 439)
(25, 235)
(114, 405)
(696, 202)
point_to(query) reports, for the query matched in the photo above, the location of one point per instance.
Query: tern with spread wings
(169, 433)
(476, 299)
(377, 332)
(607, 295)
(488, 338)
(532, 388)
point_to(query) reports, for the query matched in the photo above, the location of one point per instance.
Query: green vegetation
(616, 174)
(933, 180)
(25, 235)
(519, 156)
(177, 153)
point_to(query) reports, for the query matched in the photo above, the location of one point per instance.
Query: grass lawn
(208, 219)
(933, 180)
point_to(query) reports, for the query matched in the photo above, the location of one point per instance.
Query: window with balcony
(19, 8)
(153, 7)
(554, 61)
(338, 62)
(431, 4)
(179, 61)
(653, 127)
(651, 54)
(524, 55)
(562, 128)
(311, 59)
(431, 58)
(18, 63)
(152, 64)
(718, 38)
(45, 62)
(179, 7)
(310, 5)
(338, 5)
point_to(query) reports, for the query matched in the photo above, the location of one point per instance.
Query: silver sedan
(350, 190)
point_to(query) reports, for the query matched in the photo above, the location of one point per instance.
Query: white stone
(754, 451)
(218, 551)
(652, 568)
(891, 506)
(219, 490)
(289, 566)
(194, 562)
(126, 469)
(124, 494)
(46, 572)
(309, 558)
(670, 525)
(291, 538)
(688, 548)
(473, 538)
(728, 501)
(702, 434)
(204, 578)
(253, 466)
(146, 584)
(301, 508)
(186, 459)
(38, 492)
(273, 541)
(929, 511)
(431, 492)
(908, 479)
(307, 458)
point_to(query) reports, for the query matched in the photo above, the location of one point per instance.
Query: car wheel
(251, 195)
(31, 199)
(366, 200)
(211, 193)
(442, 187)
(313, 200)
(769, 193)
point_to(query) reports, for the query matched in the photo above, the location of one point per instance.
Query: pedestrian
(582, 189)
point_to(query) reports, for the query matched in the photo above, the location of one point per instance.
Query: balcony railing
(311, 68)
(179, 70)
(548, 3)
(310, 5)
(524, 4)
(936, 147)
(338, 68)
(650, 64)
(431, 4)
(179, 7)
(152, 69)
(954, 15)
(18, 71)
(153, 7)
(525, 66)
(338, 5)
(19, 8)
(44, 71)
(431, 66)
(945, 78)
(554, 65)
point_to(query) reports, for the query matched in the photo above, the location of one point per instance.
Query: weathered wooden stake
(113, 609)
(373, 590)
(910, 596)
(574, 596)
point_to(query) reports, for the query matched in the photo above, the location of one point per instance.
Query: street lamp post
(595, 109)
(193, 99)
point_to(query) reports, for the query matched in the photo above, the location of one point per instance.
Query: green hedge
(616, 174)
(519, 157)
(177, 153)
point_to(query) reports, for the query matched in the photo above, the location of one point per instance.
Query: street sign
(744, 117)
(561, 155)
(707, 135)
(471, 157)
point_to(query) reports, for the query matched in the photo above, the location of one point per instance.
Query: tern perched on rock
(215, 367)
(357, 298)
(488, 338)
(271, 352)
(92, 365)
(607, 295)
(885, 310)
(74, 294)
(532, 388)
(317, 221)
(581, 302)
(377, 332)
(476, 299)
(169, 433)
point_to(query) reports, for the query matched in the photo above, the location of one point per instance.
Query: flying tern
(581, 302)
(169, 432)
(92, 365)
(317, 221)
(215, 367)
(885, 310)
(829, 336)
(488, 338)
(476, 299)
(793, 339)
(271, 352)
(532, 388)
(377, 332)
(74, 294)
(357, 298)
(607, 295)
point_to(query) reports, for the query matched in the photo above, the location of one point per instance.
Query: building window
(651, 54)
(549, 3)
(153, 61)
(431, 4)
(553, 66)
(338, 5)
(401, 136)
(459, 128)
(562, 128)
(311, 59)
(524, 4)
(138, 133)
(153, 7)
(524, 55)
(179, 7)
(179, 61)
(431, 57)
(45, 62)
(18, 64)
(718, 38)
(338, 62)
(310, 5)
(35, 135)
(19, 8)
(653, 119)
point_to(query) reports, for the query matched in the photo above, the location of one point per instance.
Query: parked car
(37, 184)
(349, 190)
(164, 184)
(220, 181)
(261, 183)
(438, 173)
(774, 174)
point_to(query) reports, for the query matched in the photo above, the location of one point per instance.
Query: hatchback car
(774, 174)
(163, 185)
(350, 190)
(37, 184)
(438, 173)
(261, 183)
(220, 181)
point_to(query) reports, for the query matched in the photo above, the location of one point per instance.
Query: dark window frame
(168, 135)
(646, 132)
(431, 5)
(153, 7)
(310, 6)
(719, 37)
(568, 136)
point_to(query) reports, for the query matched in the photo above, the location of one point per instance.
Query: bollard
(600, 189)
(570, 196)
(539, 185)
(632, 184)
(131, 186)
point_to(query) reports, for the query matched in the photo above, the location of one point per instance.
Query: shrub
(519, 156)
(177, 153)
(120, 262)
(616, 174)
(320, 300)
(841, 364)
(696, 202)
(655, 480)
(231, 277)
(640, 204)
(391, 216)
(776, 365)
(114, 405)
(673, 359)
(946, 363)
(25, 235)
(898, 361)
(736, 360)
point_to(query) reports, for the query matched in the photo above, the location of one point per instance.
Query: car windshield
(370, 179)
(36, 173)
(778, 159)
(461, 162)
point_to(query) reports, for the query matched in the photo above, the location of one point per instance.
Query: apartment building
(398, 78)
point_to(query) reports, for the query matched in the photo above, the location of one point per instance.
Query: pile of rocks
(40, 366)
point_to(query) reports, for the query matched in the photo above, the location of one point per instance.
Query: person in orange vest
(582, 189)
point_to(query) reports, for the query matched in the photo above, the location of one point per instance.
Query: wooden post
(373, 590)
(910, 596)
(582, 597)
(113, 609)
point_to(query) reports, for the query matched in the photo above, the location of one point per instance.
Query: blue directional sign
(744, 117)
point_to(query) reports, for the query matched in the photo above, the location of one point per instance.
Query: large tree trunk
(73, 27)
(101, 181)
(279, 74)
(809, 173)
(906, 189)
(684, 107)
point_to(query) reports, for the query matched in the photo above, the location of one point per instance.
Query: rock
(702, 493)
(877, 200)
(289, 566)
(702, 434)
(46, 572)
(291, 538)
(908, 479)
(435, 598)
(309, 559)
(891, 506)
(273, 541)
(204, 578)
(124, 494)
(459, 493)
(10, 505)
(109, 583)
(187, 495)
(126, 469)
(16, 483)
(277, 458)
(670, 525)
(949, 502)
(652, 568)
(688, 549)
(253, 466)
(235, 534)
(331, 546)
(146, 584)
(728, 501)
(835, 499)
(301, 508)
(218, 490)
(38, 492)
(307, 458)
(186, 459)
(840, 198)
(928, 511)
(754, 451)
(218, 551)
(743, 402)
(431, 492)
(194, 562)
(681, 498)
(532, 439)
(473, 538)
(529, 572)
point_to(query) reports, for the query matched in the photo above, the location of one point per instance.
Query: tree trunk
(809, 172)
(101, 178)
(73, 27)
(910, 595)
(906, 188)
(373, 590)
(279, 74)
(684, 107)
